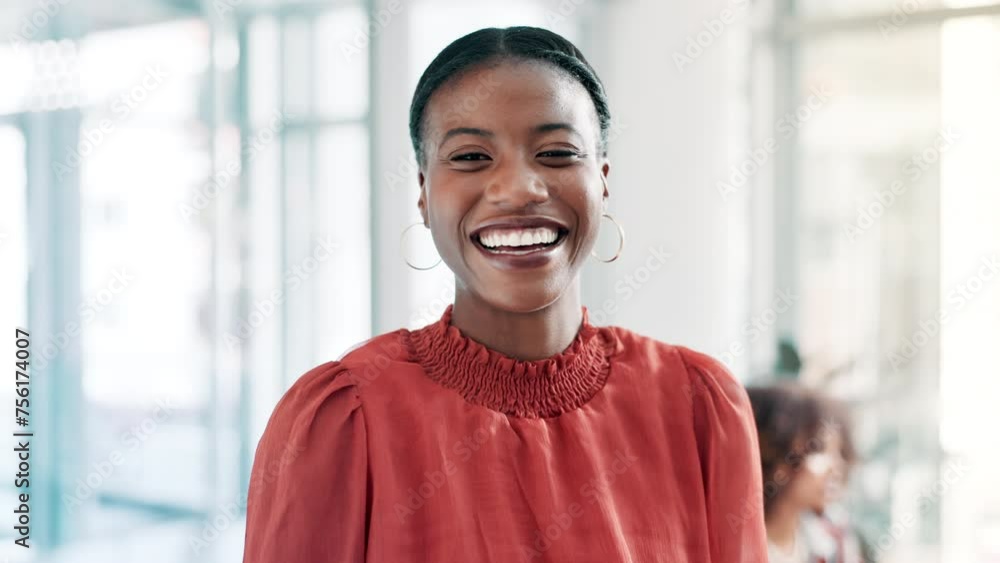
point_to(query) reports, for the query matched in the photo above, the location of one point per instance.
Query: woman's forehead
(511, 95)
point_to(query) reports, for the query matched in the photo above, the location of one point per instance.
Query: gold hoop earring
(402, 252)
(621, 241)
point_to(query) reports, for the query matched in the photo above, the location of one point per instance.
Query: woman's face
(820, 476)
(513, 184)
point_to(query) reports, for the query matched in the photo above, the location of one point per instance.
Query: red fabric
(426, 446)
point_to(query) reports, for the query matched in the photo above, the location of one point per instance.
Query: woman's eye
(470, 156)
(559, 154)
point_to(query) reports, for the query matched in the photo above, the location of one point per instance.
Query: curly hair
(793, 422)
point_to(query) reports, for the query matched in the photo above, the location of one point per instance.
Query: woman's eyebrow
(546, 127)
(543, 128)
(466, 131)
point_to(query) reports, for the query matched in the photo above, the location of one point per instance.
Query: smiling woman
(589, 444)
(502, 176)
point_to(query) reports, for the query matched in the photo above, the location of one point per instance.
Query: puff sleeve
(308, 498)
(730, 462)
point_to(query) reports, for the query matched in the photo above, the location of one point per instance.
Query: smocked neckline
(540, 388)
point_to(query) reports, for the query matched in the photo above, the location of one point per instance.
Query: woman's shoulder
(364, 362)
(695, 372)
(311, 461)
(319, 392)
(368, 359)
(356, 368)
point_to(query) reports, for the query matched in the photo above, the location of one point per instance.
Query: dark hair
(793, 422)
(495, 45)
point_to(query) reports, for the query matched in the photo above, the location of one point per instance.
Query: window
(14, 257)
(307, 157)
(145, 272)
(885, 208)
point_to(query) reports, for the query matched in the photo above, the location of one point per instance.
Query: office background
(810, 190)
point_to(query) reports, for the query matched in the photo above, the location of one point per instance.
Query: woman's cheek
(447, 211)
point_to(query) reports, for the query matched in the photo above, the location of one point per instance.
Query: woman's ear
(783, 474)
(605, 170)
(422, 200)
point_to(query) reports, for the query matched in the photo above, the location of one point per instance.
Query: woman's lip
(519, 223)
(532, 259)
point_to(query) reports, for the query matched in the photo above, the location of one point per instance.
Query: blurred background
(202, 199)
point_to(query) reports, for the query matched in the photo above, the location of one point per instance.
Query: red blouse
(425, 446)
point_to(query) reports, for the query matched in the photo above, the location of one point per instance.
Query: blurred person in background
(806, 451)
(511, 429)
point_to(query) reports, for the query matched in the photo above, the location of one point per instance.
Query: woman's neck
(782, 524)
(525, 336)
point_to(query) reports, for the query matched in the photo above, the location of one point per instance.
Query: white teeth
(518, 237)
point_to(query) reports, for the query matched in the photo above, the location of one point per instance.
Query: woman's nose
(516, 185)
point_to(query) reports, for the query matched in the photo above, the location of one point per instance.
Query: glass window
(970, 287)
(13, 283)
(342, 45)
(309, 198)
(146, 267)
(893, 182)
(22, 76)
(342, 301)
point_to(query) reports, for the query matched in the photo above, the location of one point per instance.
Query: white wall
(682, 126)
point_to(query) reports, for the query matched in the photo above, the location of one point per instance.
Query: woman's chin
(519, 298)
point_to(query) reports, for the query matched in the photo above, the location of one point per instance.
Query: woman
(511, 429)
(805, 451)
